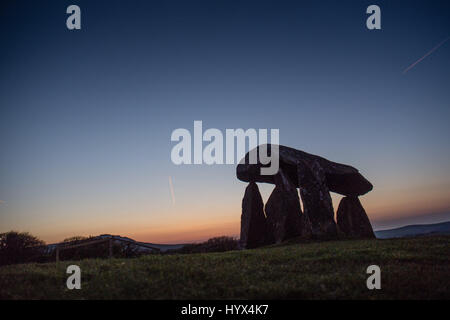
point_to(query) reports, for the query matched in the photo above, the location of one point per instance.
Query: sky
(86, 115)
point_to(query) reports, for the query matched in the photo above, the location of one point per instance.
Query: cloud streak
(426, 55)
(172, 193)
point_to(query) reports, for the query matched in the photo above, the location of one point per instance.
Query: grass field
(415, 268)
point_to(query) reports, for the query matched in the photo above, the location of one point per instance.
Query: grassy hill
(413, 268)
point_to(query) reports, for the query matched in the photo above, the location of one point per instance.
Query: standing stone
(317, 203)
(352, 219)
(284, 216)
(253, 220)
(305, 226)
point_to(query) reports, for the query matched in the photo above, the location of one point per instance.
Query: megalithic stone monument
(315, 177)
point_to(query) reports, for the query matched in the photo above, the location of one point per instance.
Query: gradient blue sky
(86, 116)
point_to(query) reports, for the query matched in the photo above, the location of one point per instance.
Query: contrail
(426, 55)
(171, 190)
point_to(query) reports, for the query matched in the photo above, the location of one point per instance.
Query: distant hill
(142, 247)
(146, 245)
(415, 230)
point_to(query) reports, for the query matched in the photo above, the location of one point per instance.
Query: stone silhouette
(352, 219)
(253, 220)
(316, 198)
(284, 216)
(340, 178)
(315, 177)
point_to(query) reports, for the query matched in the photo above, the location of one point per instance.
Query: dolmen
(282, 217)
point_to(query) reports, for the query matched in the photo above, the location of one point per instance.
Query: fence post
(57, 254)
(110, 248)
